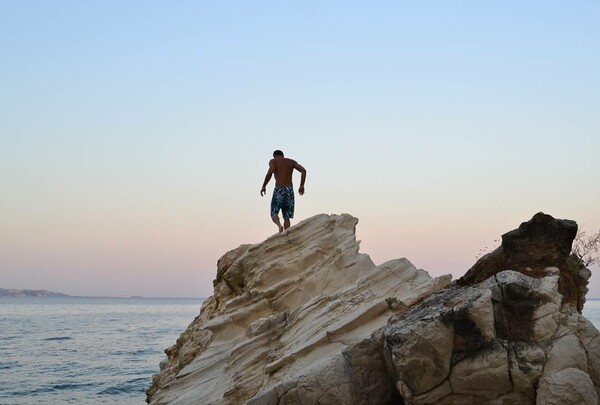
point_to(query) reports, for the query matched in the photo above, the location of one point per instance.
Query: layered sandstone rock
(281, 317)
(303, 318)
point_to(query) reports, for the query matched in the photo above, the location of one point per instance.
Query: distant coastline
(21, 293)
(25, 293)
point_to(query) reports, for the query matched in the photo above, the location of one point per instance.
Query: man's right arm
(270, 172)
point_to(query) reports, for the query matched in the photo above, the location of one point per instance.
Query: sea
(86, 350)
(95, 350)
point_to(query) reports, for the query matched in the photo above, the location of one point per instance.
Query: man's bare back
(283, 170)
(283, 195)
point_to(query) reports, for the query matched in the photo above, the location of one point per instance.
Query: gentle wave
(9, 366)
(45, 389)
(138, 385)
(139, 352)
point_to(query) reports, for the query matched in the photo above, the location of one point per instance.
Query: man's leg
(275, 207)
(275, 219)
(288, 208)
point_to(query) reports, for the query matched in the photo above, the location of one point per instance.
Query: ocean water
(85, 350)
(95, 350)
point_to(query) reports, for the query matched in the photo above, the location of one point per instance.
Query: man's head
(277, 153)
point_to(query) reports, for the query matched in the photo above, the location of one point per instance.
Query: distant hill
(30, 293)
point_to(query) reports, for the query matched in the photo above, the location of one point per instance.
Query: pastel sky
(135, 135)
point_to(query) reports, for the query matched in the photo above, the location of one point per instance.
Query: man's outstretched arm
(270, 172)
(302, 170)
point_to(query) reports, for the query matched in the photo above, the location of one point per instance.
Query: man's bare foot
(280, 228)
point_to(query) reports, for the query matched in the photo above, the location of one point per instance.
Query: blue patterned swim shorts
(283, 199)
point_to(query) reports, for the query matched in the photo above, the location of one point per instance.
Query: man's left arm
(302, 170)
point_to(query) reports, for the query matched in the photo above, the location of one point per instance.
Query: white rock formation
(303, 318)
(284, 310)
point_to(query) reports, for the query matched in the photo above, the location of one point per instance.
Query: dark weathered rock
(541, 242)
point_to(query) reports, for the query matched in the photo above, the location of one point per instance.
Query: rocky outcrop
(281, 317)
(509, 339)
(303, 318)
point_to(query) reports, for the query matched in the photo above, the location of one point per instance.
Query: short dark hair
(277, 153)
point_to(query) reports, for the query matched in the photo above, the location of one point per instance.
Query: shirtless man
(283, 195)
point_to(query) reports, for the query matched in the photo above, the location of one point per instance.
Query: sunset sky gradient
(135, 136)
